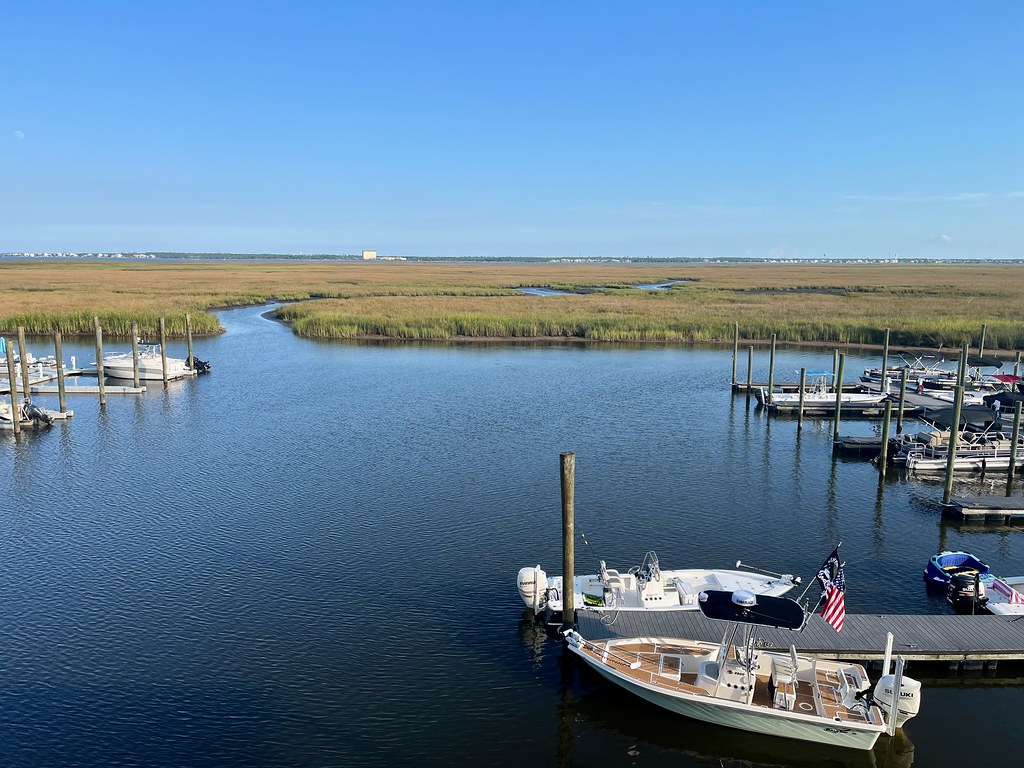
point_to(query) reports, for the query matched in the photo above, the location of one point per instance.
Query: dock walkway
(951, 638)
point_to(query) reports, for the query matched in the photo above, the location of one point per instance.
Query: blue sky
(601, 129)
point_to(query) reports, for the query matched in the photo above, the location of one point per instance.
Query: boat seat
(707, 675)
(784, 682)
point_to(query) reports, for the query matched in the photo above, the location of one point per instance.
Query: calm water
(308, 557)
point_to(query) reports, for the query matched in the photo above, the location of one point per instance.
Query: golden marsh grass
(924, 304)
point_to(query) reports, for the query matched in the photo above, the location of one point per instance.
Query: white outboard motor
(533, 587)
(909, 696)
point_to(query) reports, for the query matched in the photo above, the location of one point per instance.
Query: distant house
(368, 255)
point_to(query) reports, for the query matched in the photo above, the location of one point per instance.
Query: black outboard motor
(200, 366)
(966, 592)
(36, 414)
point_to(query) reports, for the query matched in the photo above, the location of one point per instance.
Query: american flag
(833, 583)
(1013, 597)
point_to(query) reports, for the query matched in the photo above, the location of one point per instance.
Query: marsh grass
(934, 305)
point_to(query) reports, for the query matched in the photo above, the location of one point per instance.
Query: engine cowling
(533, 585)
(909, 697)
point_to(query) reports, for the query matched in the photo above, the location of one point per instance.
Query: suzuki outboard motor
(909, 697)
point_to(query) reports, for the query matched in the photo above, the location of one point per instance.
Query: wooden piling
(800, 415)
(839, 397)
(961, 371)
(835, 362)
(1014, 437)
(15, 416)
(58, 351)
(25, 368)
(885, 363)
(954, 433)
(981, 345)
(99, 360)
(750, 369)
(163, 348)
(568, 465)
(191, 365)
(903, 400)
(135, 354)
(771, 372)
(1016, 365)
(883, 457)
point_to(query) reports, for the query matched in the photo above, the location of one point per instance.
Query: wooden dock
(945, 638)
(996, 509)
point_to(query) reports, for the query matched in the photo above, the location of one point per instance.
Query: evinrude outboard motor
(533, 587)
(909, 697)
(966, 591)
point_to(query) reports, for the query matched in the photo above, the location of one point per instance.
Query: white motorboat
(737, 685)
(29, 415)
(818, 394)
(120, 365)
(646, 587)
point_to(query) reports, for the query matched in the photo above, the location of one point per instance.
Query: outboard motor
(533, 587)
(36, 414)
(909, 697)
(966, 591)
(200, 366)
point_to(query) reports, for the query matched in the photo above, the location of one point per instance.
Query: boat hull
(730, 715)
(149, 369)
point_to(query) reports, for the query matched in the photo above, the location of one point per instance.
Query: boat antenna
(794, 579)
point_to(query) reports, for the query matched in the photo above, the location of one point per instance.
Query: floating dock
(955, 639)
(989, 509)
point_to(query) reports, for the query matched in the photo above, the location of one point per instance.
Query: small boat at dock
(818, 394)
(121, 365)
(646, 587)
(736, 684)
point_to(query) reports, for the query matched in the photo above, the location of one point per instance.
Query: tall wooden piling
(15, 415)
(839, 397)
(163, 348)
(99, 360)
(835, 362)
(885, 363)
(883, 457)
(191, 365)
(800, 413)
(903, 400)
(1016, 365)
(568, 464)
(961, 370)
(135, 354)
(750, 369)
(954, 434)
(771, 372)
(58, 351)
(1014, 437)
(25, 369)
(981, 344)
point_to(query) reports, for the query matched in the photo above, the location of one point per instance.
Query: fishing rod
(794, 579)
(592, 552)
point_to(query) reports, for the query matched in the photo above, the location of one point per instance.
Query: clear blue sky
(661, 129)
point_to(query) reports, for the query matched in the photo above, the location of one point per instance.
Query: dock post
(163, 348)
(903, 400)
(954, 433)
(191, 365)
(835, 362)
(1014, 437)
(15, 415)
(24, 362)
(135, 354)
(981, 346)
(771, 373)
(750, 369)
(883, 457)
(1016, 365)
(58, 351)
(885, 363)
(568, 540)
(961, 369)
(99, 360)
(800, 413)
(839, 397)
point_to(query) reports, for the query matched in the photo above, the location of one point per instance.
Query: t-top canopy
(781, 612)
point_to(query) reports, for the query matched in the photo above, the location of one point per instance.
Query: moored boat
(941, 567)
(737, 685)
(646, 587)
(121, 365)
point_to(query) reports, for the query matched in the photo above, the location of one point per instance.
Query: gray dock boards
(924, 638)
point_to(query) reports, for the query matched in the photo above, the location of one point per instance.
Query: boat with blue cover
(943, 566)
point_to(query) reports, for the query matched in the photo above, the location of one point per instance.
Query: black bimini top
(779, 612)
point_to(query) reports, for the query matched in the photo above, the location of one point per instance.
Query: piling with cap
(839, 397)
(954, 433)
(568, 466)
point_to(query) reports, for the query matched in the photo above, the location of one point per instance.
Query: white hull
(987, 463)
(150, 368)
(818, 400)
(779, 694)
